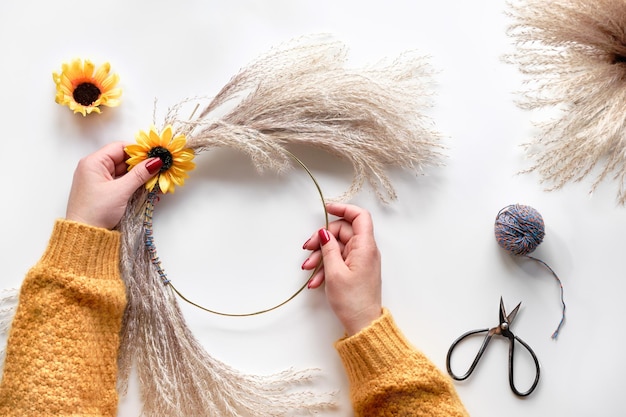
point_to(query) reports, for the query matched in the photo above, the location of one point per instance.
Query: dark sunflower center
(163, 154)
(86, 94)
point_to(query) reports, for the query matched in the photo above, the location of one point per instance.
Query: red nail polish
(305, 243)
(154, 165)
(304, 263)
(324, 236)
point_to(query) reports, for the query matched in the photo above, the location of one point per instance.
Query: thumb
(140, 174)
(331, 253)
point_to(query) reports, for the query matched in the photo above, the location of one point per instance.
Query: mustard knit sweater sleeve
(61, 356)
(389, 377)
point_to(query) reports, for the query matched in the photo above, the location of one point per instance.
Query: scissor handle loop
(511, 357)
(512, 338)
(476, 359)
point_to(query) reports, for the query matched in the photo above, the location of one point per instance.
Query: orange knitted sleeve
(61, 356)
(389, 377)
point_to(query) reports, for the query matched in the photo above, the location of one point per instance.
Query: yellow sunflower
(84, 91)
(177, 159)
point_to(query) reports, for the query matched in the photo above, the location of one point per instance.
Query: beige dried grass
(572, 54)
(301, 92)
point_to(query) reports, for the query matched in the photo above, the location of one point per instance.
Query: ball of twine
(519, 229)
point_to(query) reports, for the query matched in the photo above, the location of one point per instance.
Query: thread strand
(555, 334)
(519, 230)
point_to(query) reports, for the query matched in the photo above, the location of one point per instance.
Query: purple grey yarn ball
(519, 229)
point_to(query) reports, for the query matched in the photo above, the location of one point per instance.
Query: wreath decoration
(299, 93)
(176, 162)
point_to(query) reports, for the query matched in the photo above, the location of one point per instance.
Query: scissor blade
(504, 318)
(512, 314)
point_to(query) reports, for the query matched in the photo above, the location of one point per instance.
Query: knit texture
(61, 357)
(389, 377)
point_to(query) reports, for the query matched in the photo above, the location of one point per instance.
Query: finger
(340, 228)
(115, 152)
(103, 161)
(139, 175)
(312, 261)
(316, 280)
(360, 218)
(121, 167)
(310, 243)
(108, 158)
(331, 251)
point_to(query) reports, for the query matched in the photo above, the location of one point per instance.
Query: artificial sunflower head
(83, 90)
(177, 159)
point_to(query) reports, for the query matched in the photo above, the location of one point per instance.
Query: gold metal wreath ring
(149, 242)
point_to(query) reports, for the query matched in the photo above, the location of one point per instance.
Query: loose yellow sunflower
(177, 159)
(84, 91)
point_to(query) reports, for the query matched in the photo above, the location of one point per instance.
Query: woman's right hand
(351, 266)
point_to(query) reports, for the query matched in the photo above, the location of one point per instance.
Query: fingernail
(324, 236)
(154, 165)
(306, 243)
(304, 263)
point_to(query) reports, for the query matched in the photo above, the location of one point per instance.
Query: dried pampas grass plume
(8, 306)
(573, 55)
(301, 92)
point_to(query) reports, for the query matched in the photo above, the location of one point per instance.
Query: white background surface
(231, 239)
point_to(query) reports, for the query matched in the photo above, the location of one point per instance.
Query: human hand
(351, 267)
(102, 186)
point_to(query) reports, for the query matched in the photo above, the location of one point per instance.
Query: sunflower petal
(151, 183)
(88, 68)
(135, 160)
(109, 82)
(143, 139)
(166, 137)
(177, 180)
(75, 71)
(164, 182)
(154, 139)
(187, 165)
(181, 158)
(102, 72)
(177, 144)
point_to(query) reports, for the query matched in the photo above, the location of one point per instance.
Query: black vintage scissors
(503, 329)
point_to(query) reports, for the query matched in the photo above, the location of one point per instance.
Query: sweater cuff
(83, 250)
(373, 350)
